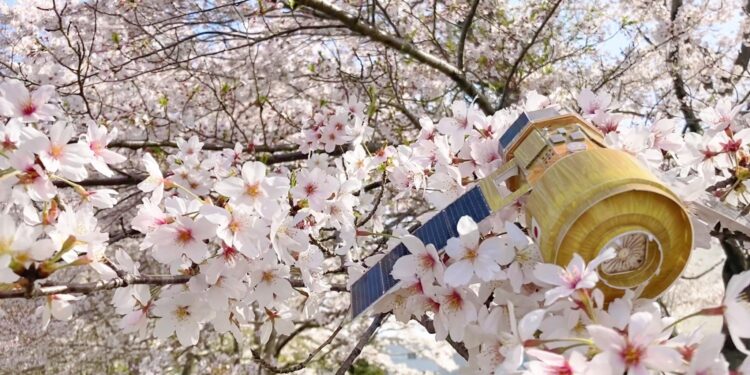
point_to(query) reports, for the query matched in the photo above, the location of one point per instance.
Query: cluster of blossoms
(546, 319)
(246, 237)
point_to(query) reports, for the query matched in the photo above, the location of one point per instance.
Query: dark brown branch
(297, 366)
(465, 33)
(691, 121)
(457, 346)
(118, 282)
(524, 51)
(743, 57)
(363, 340)
(403, 46)
(86, 288)
(135, 145)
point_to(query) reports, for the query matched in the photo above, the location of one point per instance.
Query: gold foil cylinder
(585, 200)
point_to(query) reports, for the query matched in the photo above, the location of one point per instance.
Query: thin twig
(523, 53)
(300, 365)
(464, 33)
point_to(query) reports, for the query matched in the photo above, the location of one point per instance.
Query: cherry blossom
(254, 189)
(315, 186)
(720, 117)
(591, 103)
(182, 237)
(17, 102)
(97, 138)
(183, 314)
(58, 154)
(155, 181)
(576, 276)
(56, 306)
(470, 257)
(423, 262)
(639, 349)
(736, 309)
(553, 363)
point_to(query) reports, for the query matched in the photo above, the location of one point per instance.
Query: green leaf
(163, 101)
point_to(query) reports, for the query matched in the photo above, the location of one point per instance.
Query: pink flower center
(310, 189)
(708, 154)
(184, 235)
(471, 254)
(8, 145)
(563, 370)
(28, 108)
(253, 190)
(426, 261)
(454, 301)
(572, 278)
(56, 151)
(96, 147)
(631, 355)
(731, 146)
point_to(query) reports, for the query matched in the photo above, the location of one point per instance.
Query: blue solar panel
(472, 204)
(436, 231)
(387, 263)
(367, 289)
(524, 119)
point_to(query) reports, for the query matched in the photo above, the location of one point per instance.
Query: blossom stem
(187, 191)
(577, 340)
(8, 173)
(709, 311)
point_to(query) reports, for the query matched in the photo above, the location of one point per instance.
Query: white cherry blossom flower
(315, 186)
(576, 276)
(183, 314)
(514, 341)
(550, 363)
(520, 271)
(238, 228)
(58, 154)
(269, 280)
(721, 116)
(17, 102)
(736, 308)
(254, 189)
(470, 257)
(707, 358)
(639, 349)
(97, 138)
(56, 306)
(423, 261)
(182, 237)
(591, 103)
(278, 321)
(155, 181)
(457, 309)
(32, 177)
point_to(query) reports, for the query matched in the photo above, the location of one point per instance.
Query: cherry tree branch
(465, 33)
(691, 121)
(363, 340)
(297, 366)
(524, 51)
(117, 282)
(403, 46)
(86, 288)
(135, 145)
(457, 346)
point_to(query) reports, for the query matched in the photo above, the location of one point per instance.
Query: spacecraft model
(581, 197)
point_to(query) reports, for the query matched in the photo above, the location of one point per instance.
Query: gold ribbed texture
(588, 198)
